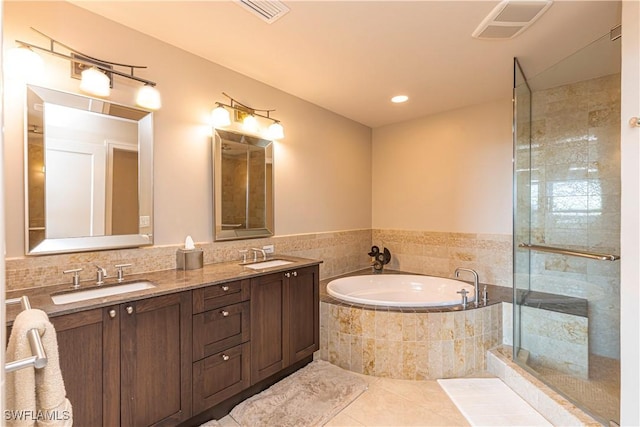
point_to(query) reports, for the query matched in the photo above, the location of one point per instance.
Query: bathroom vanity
(197, 343)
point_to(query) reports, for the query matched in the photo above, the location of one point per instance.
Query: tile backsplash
(341, 252)
(422, 252)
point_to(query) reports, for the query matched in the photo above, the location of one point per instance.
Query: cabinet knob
(295, 274)
(224, 313)
(112, 313)
(287, 274)
(129, 309)
(225, 288)
(225, 357)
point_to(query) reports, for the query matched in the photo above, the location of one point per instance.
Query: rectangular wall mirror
(243, 186)
(88, 173)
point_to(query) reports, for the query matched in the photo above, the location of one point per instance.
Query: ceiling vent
(269, 11)
(510, 18)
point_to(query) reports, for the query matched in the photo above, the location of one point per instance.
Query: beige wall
(449, 172)
(322, 167)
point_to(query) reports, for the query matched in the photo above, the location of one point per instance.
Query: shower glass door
(566, 317)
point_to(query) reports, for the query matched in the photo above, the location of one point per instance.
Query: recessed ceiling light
(400, 98)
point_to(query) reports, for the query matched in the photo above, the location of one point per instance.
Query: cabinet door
(304, 312)
(220, 376)
(156, 360)
(89, 351)
(269, 326)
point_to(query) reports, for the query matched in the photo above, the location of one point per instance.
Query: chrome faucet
(475, 282)
(120, 272)
(255, 254)
(101, 273)
(76, 277)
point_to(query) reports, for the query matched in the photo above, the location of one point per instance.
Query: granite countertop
(166, 281)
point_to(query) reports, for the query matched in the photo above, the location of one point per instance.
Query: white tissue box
(189, 259)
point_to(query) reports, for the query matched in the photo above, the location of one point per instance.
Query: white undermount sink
(268, 264)
(100, 292)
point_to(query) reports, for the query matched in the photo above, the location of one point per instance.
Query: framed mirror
(243, 186)
(88, 173)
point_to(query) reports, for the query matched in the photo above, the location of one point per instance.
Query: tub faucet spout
(476, 285)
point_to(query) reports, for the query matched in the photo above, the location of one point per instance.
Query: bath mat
(490, 402)
(308, 397)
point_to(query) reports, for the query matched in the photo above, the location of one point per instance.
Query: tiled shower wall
(575, 199)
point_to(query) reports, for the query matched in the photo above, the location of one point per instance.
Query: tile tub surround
(341, 253)
(409, 343)
(439, 253)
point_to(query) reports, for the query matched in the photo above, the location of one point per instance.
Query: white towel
(35, 397)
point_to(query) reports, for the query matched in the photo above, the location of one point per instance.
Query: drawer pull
(287, 274)
(224, 313)
(225, 288)
(112, 313)
(129, 310)
(225, 357)
(295, 274)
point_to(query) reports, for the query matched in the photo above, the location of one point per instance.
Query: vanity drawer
(220, 295)
(220, 376)
(221, 328)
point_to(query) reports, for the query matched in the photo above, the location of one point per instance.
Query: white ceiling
(350, 57)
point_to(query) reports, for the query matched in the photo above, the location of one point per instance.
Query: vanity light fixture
(275, 131)
(149, 97)
(95, 82)
(220, 117)
(96, 74)
(23, 62)
(250, 123)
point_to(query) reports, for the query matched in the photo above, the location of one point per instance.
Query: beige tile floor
(389, 402)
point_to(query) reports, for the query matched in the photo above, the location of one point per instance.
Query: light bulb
(149, 97)
(275, 131)
(220, 117)
(250, 123)
(95, 82)
(398, 99)
(22, 62)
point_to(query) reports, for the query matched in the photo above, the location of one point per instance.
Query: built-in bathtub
(400, 290)
(407, 340)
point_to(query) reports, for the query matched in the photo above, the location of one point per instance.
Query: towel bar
(571, 252)
(39, 358)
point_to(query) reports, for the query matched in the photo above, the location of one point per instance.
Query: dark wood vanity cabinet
(221, 349)
(159, 361)
(129, 364)
(284, 320)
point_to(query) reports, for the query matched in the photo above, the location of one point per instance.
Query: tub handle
(464, 293)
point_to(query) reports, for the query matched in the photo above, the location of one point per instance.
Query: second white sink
(268, 264)
(100, 292)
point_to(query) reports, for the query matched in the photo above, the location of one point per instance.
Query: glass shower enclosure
(566, 311)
